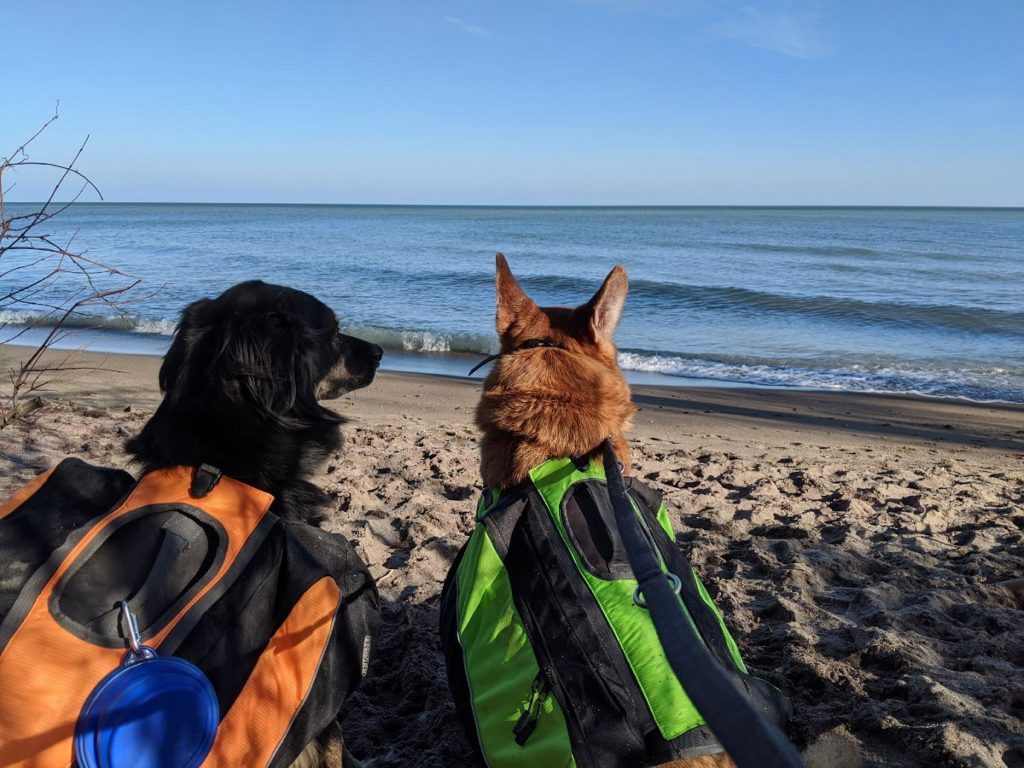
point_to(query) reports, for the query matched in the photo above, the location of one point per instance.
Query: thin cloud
(792, 34)
(469, 29)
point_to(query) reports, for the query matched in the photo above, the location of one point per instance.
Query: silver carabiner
(130, 629)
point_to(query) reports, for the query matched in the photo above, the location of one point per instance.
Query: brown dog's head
(559, 399)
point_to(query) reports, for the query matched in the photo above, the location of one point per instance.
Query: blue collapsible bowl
(158, 712)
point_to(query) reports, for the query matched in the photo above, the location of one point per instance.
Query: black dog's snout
(378, 352)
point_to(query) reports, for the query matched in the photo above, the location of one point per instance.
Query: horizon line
(534, 205)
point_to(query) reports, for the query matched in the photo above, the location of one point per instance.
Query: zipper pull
(524, 728)
(527, 722)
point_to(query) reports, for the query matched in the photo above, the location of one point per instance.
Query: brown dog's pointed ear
(513, 304)
(606, 305)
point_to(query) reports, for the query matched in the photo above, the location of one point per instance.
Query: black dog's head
(242, 385)
(268, 349)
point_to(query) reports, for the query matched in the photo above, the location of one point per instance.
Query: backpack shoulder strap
(93, 490)
(39, 517)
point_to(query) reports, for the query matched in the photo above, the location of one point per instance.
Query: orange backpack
(280, 616)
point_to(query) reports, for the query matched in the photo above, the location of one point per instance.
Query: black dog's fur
(241, 385)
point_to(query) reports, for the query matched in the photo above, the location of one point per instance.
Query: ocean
(902, 300)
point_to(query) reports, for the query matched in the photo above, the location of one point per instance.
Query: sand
(855, 543)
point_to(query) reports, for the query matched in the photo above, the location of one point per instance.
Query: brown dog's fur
(541, 403)
(545, 403)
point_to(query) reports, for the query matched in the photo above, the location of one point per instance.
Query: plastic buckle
(204, 478)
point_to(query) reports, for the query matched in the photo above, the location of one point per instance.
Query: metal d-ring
(144, 653)
(677, 586)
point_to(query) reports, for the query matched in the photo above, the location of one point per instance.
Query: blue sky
(901, 102)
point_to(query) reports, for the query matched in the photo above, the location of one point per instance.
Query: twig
(21, 410)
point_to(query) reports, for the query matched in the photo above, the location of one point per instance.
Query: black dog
(242, 383)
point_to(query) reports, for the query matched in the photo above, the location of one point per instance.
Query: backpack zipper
(527, 722)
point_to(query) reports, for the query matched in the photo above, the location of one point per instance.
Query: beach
(856, 543)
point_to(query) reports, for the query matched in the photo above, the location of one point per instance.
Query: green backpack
(550, 661)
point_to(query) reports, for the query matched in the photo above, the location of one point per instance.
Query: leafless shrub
(46, 287)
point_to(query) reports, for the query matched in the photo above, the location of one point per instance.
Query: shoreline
(456, 365)
(110, 379)
(855, 543)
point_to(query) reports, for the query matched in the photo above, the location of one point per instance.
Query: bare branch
(21, 150)
(56, 283)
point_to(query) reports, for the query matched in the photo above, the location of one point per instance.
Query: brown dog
(543, 401)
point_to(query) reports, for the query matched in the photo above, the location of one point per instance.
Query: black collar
(530, 344)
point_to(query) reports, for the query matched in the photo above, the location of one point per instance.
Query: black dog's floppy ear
(256, 363)
(272, 369)
(186, 352)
